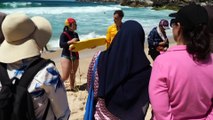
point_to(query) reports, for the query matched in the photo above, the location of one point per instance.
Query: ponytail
(197, 42)
(66, 28)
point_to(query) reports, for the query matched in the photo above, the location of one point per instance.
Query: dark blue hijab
(124, 73)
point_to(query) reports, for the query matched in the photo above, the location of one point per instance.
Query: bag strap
(46, 110)
(4, 77)
(32, 70)
(69, 37)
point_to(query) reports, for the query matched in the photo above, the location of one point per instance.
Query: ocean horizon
(93, 18)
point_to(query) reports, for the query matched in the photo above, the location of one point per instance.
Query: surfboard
(88, 43)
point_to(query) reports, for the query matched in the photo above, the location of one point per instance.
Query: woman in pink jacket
(181, 84)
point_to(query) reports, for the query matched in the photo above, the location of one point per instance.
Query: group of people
(69, 59)
(178, 85)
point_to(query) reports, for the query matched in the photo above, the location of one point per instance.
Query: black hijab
(124, 73)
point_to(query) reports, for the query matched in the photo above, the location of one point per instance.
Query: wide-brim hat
(24, 37)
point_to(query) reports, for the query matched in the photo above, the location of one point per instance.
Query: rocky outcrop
(156, 4)
(132, 3)
(116, 1)
(136, 3)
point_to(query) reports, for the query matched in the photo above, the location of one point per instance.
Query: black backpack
(15, 100)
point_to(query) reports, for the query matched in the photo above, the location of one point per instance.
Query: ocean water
(92, 18)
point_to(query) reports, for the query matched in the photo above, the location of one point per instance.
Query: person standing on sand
(69, 59)
(122, 76)
(24, 38)
(157, 39)
(181, 82)
(114, 28)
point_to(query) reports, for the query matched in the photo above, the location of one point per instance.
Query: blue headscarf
(124, 73)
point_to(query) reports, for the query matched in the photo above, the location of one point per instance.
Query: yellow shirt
(111, 32)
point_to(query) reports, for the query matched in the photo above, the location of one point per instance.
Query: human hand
(160, 48)
(72, 41)
(93, 47)
(71, 47)
(69, 42)
(162, 43)
(165, 48)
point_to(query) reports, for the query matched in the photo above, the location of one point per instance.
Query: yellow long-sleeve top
(111, 32)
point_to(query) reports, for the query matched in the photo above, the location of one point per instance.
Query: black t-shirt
(64, 38)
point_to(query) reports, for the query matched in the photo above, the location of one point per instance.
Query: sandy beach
(77, 100)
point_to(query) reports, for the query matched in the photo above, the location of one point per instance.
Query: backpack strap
(46, 110)
(68, 36)
(32, 70)
(4, 77)
(28, 76)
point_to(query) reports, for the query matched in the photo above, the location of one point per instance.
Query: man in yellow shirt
(114, 28)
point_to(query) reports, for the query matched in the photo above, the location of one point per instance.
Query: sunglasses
(73, 24)
(173, 22)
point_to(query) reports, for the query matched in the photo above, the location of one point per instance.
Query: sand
(77, 100)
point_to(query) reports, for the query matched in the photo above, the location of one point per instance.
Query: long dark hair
(197, 42)
(66, 28)
(209, 9)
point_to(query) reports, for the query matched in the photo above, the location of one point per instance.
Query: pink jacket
(180, 88)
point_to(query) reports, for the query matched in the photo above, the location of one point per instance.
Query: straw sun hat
(24, 37)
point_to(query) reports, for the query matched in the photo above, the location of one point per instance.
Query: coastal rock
(156, 4)
(132, 3)
(144, 3)
(116, 1)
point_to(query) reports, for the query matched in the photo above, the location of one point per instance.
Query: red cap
(69, 21)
